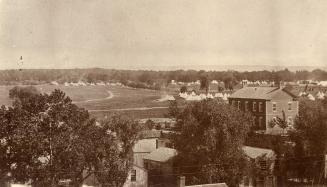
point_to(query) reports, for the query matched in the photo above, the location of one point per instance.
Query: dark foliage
(209, 142)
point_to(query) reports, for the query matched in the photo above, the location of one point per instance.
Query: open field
(102, 100)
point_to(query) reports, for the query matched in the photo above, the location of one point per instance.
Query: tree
(310, 137)
(229, 81)
(149, 124)
(183, 89)
(146, 77)
(18, 92)
(280, 122)
(116, 159)
(210, 141)
(204, 83)
(46, 139)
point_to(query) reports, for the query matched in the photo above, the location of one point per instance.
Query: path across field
(128, 109)
(110, 95)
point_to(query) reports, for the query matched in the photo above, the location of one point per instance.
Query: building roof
(254, 152)
(158, 120)
(150, 134)
(162, 154)
(265, 93)
(210, 185)
(145, 145)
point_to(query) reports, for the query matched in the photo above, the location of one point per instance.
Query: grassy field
(95, 99)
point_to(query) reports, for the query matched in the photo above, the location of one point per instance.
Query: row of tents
(319, 95)
(194, 97)
(81, 83)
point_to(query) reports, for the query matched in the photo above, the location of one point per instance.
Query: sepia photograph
(163, 93)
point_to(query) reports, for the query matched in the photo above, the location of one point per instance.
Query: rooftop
(162, 154)
(265, 93)
(145, 145)
(254, 152)
(150, 134)
(210, 185)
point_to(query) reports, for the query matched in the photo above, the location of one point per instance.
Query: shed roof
(254, 152)
(145, 145)
(162, 154)
(210, 185)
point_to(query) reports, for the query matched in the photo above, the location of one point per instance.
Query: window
(233, 103)
(133, 175)
(290, 120)
(289, 105)
(260, 123)
(260, 107)
(274, 107)
(238, 104)
(246, 106)
(254, 121)
(254, 106)
(263, 165)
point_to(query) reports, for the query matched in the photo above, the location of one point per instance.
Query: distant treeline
(149, 78)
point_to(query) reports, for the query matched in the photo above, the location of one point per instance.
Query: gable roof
(254, 152)
(210, 185)
(162, 154)
(265, 93)
(150, 134)
(145, 145)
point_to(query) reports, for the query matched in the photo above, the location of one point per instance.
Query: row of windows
(254, 106)
(274, 106)
(133, 175)
(246, 106)
(262, 125)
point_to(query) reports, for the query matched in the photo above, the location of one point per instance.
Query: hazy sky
(134, 33)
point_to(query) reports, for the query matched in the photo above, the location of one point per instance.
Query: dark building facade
(265, 104)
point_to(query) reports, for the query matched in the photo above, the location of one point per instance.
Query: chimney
(244, 83)
(280, 85)
(325, 166)
(181, 181)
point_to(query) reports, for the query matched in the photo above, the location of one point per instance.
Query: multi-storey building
(266, 103)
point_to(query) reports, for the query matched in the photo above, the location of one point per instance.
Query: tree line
(39, 76)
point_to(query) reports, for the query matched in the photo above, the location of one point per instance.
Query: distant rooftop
(266, 93)
(162, 154)
(158, 120)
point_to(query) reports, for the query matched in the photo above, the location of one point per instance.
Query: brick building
(266, 103)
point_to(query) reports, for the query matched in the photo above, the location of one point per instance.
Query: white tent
(311, 97)
(54, 83)
(320, 95)
(183, 95)
(219, 95)
(214, 82)
(322, 83)
(210, 96)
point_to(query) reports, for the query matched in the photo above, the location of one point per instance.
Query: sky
(155, 33)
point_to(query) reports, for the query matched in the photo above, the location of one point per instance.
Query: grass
(123, 98)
